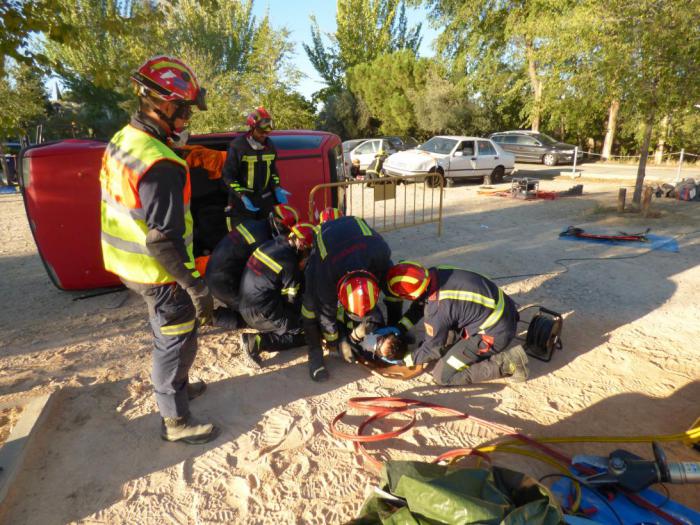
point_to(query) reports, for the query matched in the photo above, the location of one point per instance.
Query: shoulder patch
(429, 329)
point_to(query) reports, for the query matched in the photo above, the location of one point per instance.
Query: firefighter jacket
(251, 172)
(137, 165)
(228, 260)
(271, 275)
(460, 301)
(341, 246)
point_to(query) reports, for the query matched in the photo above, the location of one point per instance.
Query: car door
(510, 143)
(529, 148)
(365, 153)
(463, 160)
(487, 157)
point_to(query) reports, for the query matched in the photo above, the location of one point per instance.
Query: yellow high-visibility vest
(128, 157)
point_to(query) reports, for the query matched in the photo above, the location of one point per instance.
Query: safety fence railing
(386, 203)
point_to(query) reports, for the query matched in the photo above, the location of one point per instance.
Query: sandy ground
(630, 365)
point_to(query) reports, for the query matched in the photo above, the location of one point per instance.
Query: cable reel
(543, 333)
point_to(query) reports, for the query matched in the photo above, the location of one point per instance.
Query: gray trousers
(172, 317)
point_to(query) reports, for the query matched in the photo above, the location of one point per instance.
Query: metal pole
(680, 164)
(573, 169)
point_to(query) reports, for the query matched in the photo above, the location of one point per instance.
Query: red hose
(381, 407)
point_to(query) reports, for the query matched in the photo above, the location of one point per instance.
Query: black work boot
(195, 388)
(317, 368)
(188, 430)
(251, 349)
(513, 364)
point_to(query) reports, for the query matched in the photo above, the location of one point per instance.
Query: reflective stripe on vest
(128, 157)
(461, 295)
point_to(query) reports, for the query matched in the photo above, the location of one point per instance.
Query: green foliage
(387, 85)
(24, 101)
(346, 116)
(365, 29)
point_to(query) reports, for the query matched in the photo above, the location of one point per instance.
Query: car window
(295, 142)
(440, 145)
(467, 148)
(524, 140)
(510, 139)
(348, 145)
(544, 139)
(486, 148)
(498, 138)
(367, 147)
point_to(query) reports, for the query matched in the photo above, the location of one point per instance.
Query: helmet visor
(264, 124)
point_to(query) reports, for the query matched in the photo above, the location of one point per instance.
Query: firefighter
(464, 304)
(271, 291)
(348, 262)
(228, 260)
(147, 235)
(374, 170)
(250, 172)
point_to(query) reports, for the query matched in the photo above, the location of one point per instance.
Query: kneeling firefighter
(464, 304)
(228, 260)
(271, 291)
(347, 264)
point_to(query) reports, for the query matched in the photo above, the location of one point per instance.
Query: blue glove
(248, 204)
(388, 330)
(281, 195)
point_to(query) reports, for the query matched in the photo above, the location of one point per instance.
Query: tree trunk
(661, 144)
(536, 85)
(612, 126)
(641, 170)
(5, 167)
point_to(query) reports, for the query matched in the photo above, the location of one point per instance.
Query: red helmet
(285, 215)
(358, 292)
(305, 233)
(408, 280)
(259, 118)
(168, 78)
(329, 214)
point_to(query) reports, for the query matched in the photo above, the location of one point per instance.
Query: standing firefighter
(250, 172)
(147, 235)
(463, 304)
(270, 293)
(347, 264)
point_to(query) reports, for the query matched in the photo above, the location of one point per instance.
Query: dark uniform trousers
(279, 329)
(172, 317)
(470, 360)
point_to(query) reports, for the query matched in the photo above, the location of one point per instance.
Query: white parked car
(364, 150)
(455, 158)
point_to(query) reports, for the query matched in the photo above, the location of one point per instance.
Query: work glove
(281, 195)
(249, 204)
(203, 302)
(345, 350)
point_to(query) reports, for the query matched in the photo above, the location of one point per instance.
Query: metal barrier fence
(387, 203)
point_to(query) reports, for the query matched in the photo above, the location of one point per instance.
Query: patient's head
(392, 347)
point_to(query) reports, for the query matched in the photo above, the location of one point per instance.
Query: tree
(481, 34)
(386, 86)
(656, 47)
(365, 29)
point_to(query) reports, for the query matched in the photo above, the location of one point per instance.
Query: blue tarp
(655, 242)
(8, 189)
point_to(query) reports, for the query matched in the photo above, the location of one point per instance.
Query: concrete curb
(14, 450)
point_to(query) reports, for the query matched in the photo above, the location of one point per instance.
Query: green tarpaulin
(436, 494)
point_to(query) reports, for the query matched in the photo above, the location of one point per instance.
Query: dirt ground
(630, 365)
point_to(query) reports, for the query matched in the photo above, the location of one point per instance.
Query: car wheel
(497, 175)
(550, 159)
(434, 182)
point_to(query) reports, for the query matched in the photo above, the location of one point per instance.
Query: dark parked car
(529, 146)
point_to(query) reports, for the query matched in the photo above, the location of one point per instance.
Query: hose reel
(543, 333)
